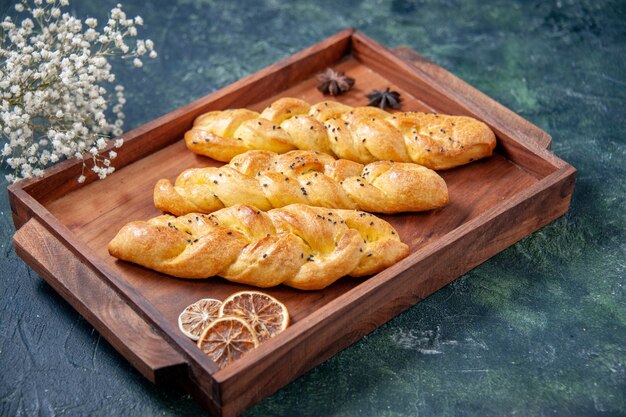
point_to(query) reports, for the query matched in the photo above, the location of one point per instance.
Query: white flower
(81, 179)
(27, 24)
(7, 25)
(101, 144)
(58, 74)
(153, 54)
(140, 48)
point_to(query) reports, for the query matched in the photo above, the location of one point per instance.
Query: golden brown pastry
(268, 180)
(360, 134)
(301, 246)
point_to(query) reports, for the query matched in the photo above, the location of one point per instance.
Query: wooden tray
(64, 227)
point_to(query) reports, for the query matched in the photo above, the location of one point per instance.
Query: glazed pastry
(300, 246)
(360, 134)
(268, 180)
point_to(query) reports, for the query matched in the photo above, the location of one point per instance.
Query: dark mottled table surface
(539, 329)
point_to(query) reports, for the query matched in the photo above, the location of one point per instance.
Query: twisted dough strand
(300, 246)
(268, 180)
(361, 134)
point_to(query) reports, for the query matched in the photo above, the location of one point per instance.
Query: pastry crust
(268, 180)
(360, 134)
(300, 246)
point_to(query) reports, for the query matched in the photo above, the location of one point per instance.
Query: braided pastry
(268, 180)
(361, 134)
(300, 246)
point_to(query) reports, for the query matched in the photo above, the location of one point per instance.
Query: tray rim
(300, 330)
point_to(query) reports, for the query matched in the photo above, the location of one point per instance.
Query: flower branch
(54, 74)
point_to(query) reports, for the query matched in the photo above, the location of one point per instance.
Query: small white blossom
(101, 143)
(57, 74)
(27, 25)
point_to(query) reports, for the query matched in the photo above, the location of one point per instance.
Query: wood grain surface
(493, 203)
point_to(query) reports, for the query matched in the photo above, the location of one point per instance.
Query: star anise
(333, 82)
(384, 99)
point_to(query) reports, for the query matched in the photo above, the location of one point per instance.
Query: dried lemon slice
(227, 339)
(264, 313)
(197, 316)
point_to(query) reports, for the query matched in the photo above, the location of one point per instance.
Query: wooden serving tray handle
(476, 102)
(103, 308)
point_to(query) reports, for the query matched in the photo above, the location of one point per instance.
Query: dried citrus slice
(197, 316)
(266, 315)
(226, 339)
